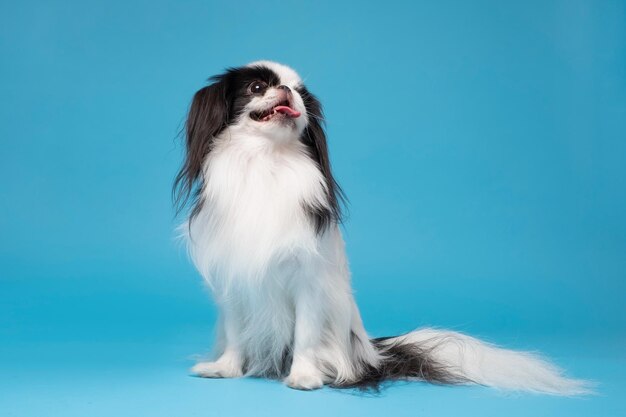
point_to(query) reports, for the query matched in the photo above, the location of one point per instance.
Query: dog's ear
(314, 137)
(208, 116)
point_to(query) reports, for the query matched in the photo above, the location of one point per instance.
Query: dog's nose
(284, 87)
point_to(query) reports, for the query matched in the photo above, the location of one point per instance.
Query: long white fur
(282, 287)
(486, 364)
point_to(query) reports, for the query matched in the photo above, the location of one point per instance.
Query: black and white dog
(264, 234)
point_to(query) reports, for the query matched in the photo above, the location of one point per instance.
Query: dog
(264, 233)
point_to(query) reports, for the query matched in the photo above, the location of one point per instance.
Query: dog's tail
(446, 357)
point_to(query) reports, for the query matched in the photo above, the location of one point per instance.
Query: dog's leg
(230, 363)
(309, 322)
(305, 373)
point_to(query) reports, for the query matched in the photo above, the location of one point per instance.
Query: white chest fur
(253, 213)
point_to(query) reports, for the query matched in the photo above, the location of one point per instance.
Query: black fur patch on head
(314, 138)
(212, 109)
(238, 80)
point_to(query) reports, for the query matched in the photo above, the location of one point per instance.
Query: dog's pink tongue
(288, 111)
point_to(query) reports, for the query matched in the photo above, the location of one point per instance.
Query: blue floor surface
(149, 378)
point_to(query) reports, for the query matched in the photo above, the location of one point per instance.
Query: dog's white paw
(304, 381)
(216, 370)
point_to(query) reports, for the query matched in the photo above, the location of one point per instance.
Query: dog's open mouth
(283, 108)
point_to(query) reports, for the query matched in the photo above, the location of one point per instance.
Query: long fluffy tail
(447, 357)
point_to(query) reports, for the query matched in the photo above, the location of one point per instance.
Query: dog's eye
(258, 87)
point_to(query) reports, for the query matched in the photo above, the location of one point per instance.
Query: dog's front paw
(304, 381)
(216, 370)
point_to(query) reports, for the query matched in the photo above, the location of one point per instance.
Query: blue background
(481, 144)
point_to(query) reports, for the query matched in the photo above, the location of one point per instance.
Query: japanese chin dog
(264, 233)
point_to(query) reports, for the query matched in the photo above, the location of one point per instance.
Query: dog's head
(262, 99)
